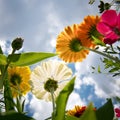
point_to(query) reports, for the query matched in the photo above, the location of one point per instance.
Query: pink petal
(103, 28)
(118, 21)
(109, 17)
(111, 38)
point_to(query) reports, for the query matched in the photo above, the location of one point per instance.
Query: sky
(39, 22)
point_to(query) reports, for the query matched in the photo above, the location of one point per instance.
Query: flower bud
(17, 43)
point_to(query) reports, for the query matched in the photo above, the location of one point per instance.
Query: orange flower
(77, 111)
(70, 47)
(87, 30)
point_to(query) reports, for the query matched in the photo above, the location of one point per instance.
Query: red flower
(109, 26)
(117, 110)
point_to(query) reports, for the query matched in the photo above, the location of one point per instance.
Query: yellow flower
(50, 76)
(70, 46)
(19, 80)
(77, 111)
(87, 29)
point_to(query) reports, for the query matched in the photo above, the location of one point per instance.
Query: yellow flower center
(15, 79)
(51, 85)
(75, 45)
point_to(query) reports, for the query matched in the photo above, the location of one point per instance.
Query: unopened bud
(17, 43)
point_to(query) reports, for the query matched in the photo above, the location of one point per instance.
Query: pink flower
(117, 110)
(109, 26)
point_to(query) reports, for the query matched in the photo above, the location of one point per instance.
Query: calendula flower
(109, 26)
(19, 80)
(77, 111)
(87, 31)
(70, 45)
(50, 76)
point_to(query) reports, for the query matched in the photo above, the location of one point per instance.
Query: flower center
(15, 79)
(117, 31)
(93, 32)
(75, 45)
(51, 85)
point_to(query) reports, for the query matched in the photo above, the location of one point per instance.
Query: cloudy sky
(39, 22)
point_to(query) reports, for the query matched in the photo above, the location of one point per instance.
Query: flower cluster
(53, 80)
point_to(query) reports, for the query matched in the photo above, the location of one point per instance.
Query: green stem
(53, 104)
(105, 55)
(8, 98)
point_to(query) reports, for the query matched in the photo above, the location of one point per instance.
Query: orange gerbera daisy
(87, 29)
(77, 111)
(19, 80)
(70, 47)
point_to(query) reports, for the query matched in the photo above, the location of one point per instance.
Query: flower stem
(105, 55)
(53, 104)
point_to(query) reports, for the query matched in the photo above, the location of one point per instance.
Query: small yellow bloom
(19, 80)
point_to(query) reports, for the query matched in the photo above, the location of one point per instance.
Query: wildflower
(77, 111)
(70, 46)
(87, 31)
(50, 76)
(117, 111)
(19, 80)
(109, 26)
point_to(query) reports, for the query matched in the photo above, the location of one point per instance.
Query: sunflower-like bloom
(77, 111)
(87, 30)
(19, 80)
(50, 76)
(74, 42)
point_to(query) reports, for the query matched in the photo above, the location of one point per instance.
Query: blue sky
(39, 22)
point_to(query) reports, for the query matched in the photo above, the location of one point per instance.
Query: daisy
(77, 111)
(87, 30)
(72, 42)
(50, 76)
(19, 80)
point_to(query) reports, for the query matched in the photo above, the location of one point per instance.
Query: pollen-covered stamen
(75, 45)
(15, 79)
(51, 85)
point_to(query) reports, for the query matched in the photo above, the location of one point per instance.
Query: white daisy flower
(50, 76)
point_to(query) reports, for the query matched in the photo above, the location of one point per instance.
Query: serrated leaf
(62, 100)
(3, 59)
(29, 58)
(106, 112)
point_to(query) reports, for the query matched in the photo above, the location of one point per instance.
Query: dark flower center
(51, 85)
(93, 32)
(75, 45)
(15, 79)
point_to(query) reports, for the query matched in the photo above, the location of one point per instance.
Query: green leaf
(71, 118)
(62, 100)
(89, 113)
(29, 58)
(3, 59)
(106, 112)
(97, 41)
(14, 116)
